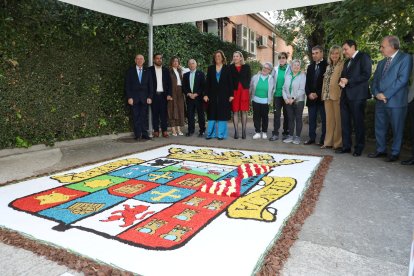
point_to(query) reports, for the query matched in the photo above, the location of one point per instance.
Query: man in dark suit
(193, 89)
(162, 93)
(390, 88)
(138, 88)
(355, 92)
(313, 89)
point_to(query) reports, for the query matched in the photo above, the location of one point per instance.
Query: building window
(243, 37)
(253, 42)
(205, 26)
(211, 26)
(233, 35)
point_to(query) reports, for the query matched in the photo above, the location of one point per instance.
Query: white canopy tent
(164, 12)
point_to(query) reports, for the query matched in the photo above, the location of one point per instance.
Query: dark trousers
(194, 106)
(313, 111)
(353, 114)
(295, 113)
(260, 117)
(140, 119)
(278, 105)
(159, 112)
(411, 118)
(384, 117)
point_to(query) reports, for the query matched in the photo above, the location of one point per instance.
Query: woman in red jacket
(241, 74)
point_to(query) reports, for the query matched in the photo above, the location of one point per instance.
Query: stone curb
(62, 144)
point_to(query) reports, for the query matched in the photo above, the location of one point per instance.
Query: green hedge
(62, 69)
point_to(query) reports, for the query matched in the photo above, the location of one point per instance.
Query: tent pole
(150, 41)
(150, 58)
(150, 35)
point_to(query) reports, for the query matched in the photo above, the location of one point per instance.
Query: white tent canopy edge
(180, 11)
(164, 12)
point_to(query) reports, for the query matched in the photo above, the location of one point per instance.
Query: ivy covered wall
(62, 69)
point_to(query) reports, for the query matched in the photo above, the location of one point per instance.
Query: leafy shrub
(62, 69)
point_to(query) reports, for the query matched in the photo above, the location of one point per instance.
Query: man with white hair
(390, 89)
(193, 89)
(139, 93)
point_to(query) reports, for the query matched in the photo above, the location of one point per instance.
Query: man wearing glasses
(390, 88)
(278, 75)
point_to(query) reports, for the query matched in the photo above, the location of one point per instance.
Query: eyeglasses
(281, 58)
(267, 68)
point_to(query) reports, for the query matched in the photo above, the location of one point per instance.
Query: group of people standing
(224, 90)
(334, 89)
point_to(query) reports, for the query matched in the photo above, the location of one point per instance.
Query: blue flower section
(246, 184)
(82, 207)
(133, 171)
(160, 177)
(250, 182)
(231, 174)
(165, 194)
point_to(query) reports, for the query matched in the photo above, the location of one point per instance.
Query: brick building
(252, 32)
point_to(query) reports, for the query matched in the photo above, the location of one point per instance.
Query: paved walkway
(362, 225)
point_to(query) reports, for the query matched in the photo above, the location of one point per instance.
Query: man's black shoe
(188, 134)
(343, 151)
(377, 154)
(309, 142)
(356, 154)
(274, 138)
(392, 158)
(408, 162)
(201, 134)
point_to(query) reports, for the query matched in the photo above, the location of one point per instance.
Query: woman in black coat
(219, 94)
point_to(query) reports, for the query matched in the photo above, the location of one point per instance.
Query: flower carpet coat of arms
(168, 202)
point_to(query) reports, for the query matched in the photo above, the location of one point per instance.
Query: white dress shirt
(158, 74)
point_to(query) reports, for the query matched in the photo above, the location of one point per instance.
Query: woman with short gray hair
(294, 96)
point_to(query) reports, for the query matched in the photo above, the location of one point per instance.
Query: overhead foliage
(62, 68)
(367, 22)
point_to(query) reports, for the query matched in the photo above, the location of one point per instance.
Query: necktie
(387, 65)
(192, 81)
(349, 63)
(140, 74)
(316, 71)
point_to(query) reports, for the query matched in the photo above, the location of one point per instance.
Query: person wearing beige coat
(176, 106)
(331, 95)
